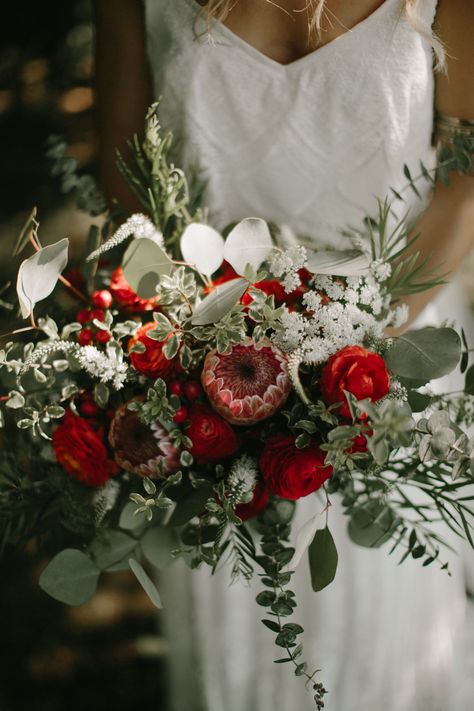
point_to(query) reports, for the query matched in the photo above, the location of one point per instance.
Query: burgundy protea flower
(139, 448)
(247, 383)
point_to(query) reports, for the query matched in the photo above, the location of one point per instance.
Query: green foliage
(457, 157)
(219, 302)
(111, 547)
(371, 524)
(88, 197)
(274, 526)
(162, 188)
(158, 545)
(146, 582)
(70, 577)
(425, 354)
(144, 262)
(323, 559)
(38, 275)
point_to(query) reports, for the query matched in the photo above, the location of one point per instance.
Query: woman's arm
(123, 86)
(447, 227)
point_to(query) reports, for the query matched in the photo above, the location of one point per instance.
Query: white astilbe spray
(98, 365)
(242, 479)
(101, 367)
(104, 500)
(137, 225)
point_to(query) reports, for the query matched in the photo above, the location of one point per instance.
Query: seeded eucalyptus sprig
(275, 528)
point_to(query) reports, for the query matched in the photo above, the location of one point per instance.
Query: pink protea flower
(247, 383)
(139, 448)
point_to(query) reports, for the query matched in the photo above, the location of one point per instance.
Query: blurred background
(107, 654)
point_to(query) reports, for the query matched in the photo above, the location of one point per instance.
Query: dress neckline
(306, 59)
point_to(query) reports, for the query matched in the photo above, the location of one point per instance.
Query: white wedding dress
(310, 144)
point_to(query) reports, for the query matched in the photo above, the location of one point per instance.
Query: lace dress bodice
(311, 144)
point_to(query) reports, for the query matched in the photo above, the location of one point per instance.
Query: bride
(303, 112)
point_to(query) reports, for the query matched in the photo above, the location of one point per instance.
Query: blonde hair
(220, 9)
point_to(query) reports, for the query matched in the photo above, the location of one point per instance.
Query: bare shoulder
(455, 28)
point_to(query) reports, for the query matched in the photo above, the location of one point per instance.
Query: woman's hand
(123, 87)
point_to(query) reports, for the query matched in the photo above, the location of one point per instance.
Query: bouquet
(183, 388)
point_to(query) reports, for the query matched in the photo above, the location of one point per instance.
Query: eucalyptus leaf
(129, 520)
(249, 243)
(323, 559)
(38, 275)
(219, 302)
(203, 247)
(146, 583)
(144, 262)
(351, 262)
(370, 525)
(70, 577)
(157, 545)
(190, 505)
(426, 354)
(112, 547)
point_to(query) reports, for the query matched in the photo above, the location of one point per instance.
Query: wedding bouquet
(187, 387)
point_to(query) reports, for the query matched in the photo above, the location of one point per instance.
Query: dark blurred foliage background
(107, 654)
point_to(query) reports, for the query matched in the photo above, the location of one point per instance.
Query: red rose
(82, 452)
(152, 362)
(257, 504)
(125, 296)
(212, 437)
(358, 371)
(290, 472)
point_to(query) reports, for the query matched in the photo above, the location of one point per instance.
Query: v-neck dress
(311, 145)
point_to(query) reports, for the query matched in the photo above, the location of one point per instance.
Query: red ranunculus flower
(269, 286)
(257, 504)
(82, 452)
(152, 362)
(125, 296)
(290, 472)
(212, 437)
(356, 370)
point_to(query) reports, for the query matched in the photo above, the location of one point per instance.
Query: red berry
(85, 337)
(97, 314)
(192, 389)
(176, 388)
(88, 408)
(83, 316)
(103, 336)
(181, 415)
(102, 299)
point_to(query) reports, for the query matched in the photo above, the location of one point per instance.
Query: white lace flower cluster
(101, 367)
(242, 479)
(340, 311)
(286, 264)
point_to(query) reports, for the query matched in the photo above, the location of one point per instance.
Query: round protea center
(139, 448)
(248, 383)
